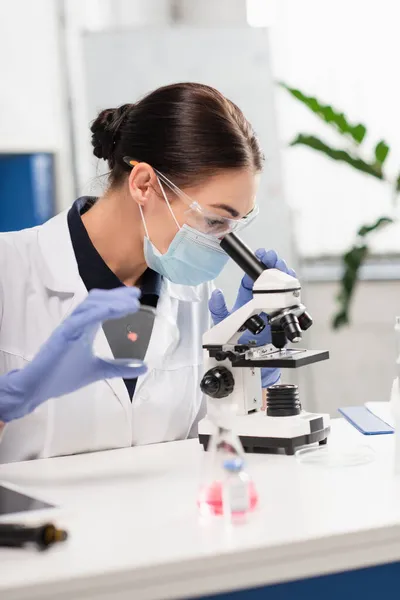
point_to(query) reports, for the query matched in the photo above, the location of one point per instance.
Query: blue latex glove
(66, 361)
(219, 310)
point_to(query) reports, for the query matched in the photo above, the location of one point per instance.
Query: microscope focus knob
(218, 382)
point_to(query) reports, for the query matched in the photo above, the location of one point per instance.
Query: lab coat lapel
(59, 272)
(165, 334)
(101, 348)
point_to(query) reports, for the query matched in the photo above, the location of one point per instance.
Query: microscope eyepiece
(242, 256)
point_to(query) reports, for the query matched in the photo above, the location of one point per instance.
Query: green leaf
(340, 320)
(366, 229)
(329, 114)
(359, 132)
(339, 155)
(381, 152)
(398, 184)
(352, 261)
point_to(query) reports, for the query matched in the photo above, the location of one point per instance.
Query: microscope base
(261, 434)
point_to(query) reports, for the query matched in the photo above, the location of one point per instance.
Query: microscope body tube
(242, 256)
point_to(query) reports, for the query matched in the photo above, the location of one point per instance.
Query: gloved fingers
(282, 266)
(121, 367)
(272, 261)
(78, 324)
(116, 293)
(247, 283)
(107, 298)
(99, 308)
(121, 308)
(268, 257)
(270, 377)
(217, 306)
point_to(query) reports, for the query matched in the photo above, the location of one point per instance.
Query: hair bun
(105, 130)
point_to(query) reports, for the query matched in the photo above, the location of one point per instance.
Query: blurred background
(319, 82)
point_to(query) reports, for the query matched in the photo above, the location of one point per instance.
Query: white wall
(212, 12)
(136, 13)
(361, 367)
(33, 109)
(83, 17)
(346, 53)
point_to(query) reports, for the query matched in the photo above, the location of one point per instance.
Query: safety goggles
(198, 217)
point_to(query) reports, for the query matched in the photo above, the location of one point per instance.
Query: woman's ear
(141, 183)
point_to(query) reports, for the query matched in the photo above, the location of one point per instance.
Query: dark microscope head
(286, 325)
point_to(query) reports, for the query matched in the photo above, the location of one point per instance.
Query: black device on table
(16, 502)
(16, 535)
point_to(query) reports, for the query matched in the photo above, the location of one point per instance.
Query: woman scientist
(184, 166)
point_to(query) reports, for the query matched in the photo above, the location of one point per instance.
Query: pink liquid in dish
(210, 498)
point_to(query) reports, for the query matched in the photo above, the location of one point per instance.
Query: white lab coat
(39, 286)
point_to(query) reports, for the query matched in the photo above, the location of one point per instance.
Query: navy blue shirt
(94, 271)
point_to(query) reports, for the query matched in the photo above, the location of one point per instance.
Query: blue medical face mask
(192, 257)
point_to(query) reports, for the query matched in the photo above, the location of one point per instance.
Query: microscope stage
(290, 358)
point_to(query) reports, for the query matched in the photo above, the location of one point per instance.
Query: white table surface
(135, 531)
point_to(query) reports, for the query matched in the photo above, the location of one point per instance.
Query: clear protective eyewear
(199, 218)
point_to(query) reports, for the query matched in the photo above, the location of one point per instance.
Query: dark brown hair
(188, 131)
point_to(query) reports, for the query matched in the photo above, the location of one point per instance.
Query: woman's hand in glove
(66, 361)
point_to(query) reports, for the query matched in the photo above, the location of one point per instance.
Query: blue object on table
(27, 190)
(365, 421)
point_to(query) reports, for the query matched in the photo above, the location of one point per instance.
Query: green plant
(353, 135)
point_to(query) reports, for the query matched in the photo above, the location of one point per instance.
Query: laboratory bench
(135, 532)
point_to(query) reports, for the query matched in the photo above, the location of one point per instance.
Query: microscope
(232, 378)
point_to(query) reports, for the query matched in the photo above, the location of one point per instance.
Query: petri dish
(136, 337)
(325, 456)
